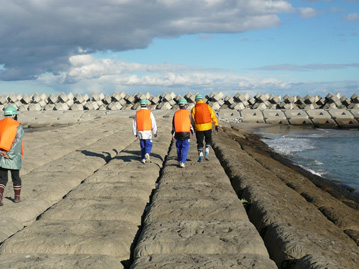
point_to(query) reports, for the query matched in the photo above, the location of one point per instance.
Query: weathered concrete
(196, 214)
(295, 217)
(88, 202)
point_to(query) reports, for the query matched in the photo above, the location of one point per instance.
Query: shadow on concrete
(135, 155)
(104, 155)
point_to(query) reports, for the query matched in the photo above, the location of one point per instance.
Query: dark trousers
(15, 176)
(206, 136)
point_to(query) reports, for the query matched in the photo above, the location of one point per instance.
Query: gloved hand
(217, 128)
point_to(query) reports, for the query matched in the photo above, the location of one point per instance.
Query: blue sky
(249, 46)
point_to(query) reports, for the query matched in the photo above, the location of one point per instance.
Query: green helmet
(199, 96)
(182, 102)
(10, 111)
(143, 102)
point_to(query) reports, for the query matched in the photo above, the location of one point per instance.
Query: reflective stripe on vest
(182, 121)
(202, 115)
(143, 120)
(8, 129)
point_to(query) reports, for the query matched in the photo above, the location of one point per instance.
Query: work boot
(206, 154)
(200, 156)
(1, 194)
(17, 190)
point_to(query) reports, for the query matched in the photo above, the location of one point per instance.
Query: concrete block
(25, 99)
(76, 107)
(353, 106)
(321, 118)
(95, 97)
(2, 100)
(63, 97)
(61, 107)
(274, 117)
(164, 106)
(78, 99)
(252, 115)
(238, 106)
(49, 107)
(343, 118)
(298, 117)
(12, 98)
(355, 113)
(289, 99)
(130, 99)
(225, 114)
(91, 105)
(52, 99)
(260, 106)
(114, 106)
(34, 107)
(215, 105)
(355, 98)
(218, 97)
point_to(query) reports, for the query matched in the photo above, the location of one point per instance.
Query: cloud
(307, 67)
(352, 17)
(307, 12)
(39, 36)
(108, 75)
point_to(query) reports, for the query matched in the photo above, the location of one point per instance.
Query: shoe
(178, 163)
(200, 159)
(147, 157)
(182, 165)
(143, 161)
(206, 153)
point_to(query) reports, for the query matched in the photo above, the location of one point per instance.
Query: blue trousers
(146, 147)
(182, 150)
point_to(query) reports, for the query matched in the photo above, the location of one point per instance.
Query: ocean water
(330, 153)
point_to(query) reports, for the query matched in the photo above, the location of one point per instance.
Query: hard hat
(199, 96)
(10, 111)
(143, 102)
(182, 101)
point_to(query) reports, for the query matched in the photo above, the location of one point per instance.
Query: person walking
(144, 124)
(203, 116)
(182, 128)
(11, 151)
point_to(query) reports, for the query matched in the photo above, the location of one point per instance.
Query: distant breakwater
(330, 111)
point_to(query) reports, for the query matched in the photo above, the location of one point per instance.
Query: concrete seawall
(330, 111)
(88, 202)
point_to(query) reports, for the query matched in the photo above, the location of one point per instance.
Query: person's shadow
(105, 155)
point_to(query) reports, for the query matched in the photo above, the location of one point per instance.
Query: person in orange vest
(182, 128)
(203, 116)
(144, 124)
(11, 135)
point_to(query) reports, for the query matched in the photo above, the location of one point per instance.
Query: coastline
(257, 132)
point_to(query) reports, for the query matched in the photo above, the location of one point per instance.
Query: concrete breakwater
(88, 202)
(330, 111)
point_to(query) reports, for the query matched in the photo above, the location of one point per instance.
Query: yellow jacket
(204, 126)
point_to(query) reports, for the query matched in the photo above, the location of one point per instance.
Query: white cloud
(108, 75)
(307, 12)
(352, 17)
(38, 36)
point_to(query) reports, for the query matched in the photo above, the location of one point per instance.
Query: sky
(278, 47)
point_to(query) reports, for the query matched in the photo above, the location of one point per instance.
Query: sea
(330, 153)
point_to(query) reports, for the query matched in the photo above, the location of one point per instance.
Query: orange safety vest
(8, 128)
(182, 121)
(143, 120)
(202, 115)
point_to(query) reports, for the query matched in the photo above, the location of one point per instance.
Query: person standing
(11, 151)
(203, 116)
(144, 124)
(182, 128)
